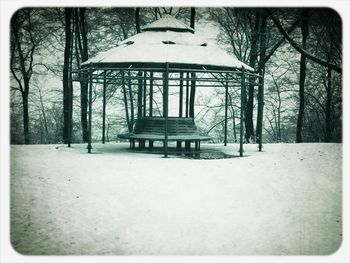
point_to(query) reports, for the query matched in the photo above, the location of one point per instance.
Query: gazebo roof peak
(170, 23)
(167, 40)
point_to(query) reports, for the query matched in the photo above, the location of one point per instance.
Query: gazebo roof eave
(163, 29)
(160, 66)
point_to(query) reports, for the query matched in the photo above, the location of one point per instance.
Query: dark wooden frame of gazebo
(107, 73)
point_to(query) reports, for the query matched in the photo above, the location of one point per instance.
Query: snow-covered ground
(285, 200)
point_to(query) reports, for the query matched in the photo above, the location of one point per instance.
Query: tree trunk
(25, 117)
(137, 20)
(84, 84)
(262, 55)
(193, 16)
(81, 36)
(70, 125)
(253, 56)
(47, 137)
(192, 95)
(131, 101)
(84, 109)
(302, 50)
(233, 119)
(304, 30)
(328, 136)
(66, 92)
(279, 114)
(193, 75)
(125, 99)
(139, 95)
(25, 73)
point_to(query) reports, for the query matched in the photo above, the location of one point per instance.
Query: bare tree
(81, 51)
(302, 50)
(305, 31)
(23, 47)
(193, 75)
(137, 20)
(66, 80)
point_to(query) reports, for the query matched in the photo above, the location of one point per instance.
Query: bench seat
(153, 129)
(158, 137)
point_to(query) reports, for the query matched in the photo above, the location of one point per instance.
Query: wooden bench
(153, 129)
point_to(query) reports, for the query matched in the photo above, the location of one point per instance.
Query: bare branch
(303, 51)
(277, 45)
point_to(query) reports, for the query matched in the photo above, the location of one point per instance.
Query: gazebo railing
(171, 76)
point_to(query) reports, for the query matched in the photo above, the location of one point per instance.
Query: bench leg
(132, 144)
(150, 145)
(140, 144)
(178, 145)
(196, 145)
(188, 145)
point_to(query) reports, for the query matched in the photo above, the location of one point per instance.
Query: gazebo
(166, 51)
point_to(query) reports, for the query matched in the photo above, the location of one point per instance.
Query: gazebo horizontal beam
(185, 68)
(235, 83)
(212, 80)
(232, 75)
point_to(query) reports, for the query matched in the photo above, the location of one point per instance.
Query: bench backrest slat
(155, 125)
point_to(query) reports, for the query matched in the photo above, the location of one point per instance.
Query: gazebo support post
(144, 102)
(104, 108)
(70, 115)
(181, 95)
(187, 93)
(144, 94)
(260, 107)
(150, 113)
(188, 144)
(139, 95)
(180, 105)
(242, 113)
(165, 102)
(139, 102)
(132, 141)
(226, 106)
(90, 109)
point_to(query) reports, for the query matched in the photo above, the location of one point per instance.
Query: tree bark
(131, 101)
(279, 114)
(304, 31)
(137, 20)
(192, 95)
(25, 117)
(328, 136)
(47, 137)
(193, 75)
(139, 95)
(84, 84)
(81, 39)
(66, 91)
(233, 119)
(193, 16)
(26, 73)
(125, 99)
(262, 55)
(249, 124)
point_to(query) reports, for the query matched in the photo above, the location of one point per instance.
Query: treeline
(299, 52)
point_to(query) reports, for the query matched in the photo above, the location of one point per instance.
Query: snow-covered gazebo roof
(168, 22)
(167, 40)
(167, 54)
